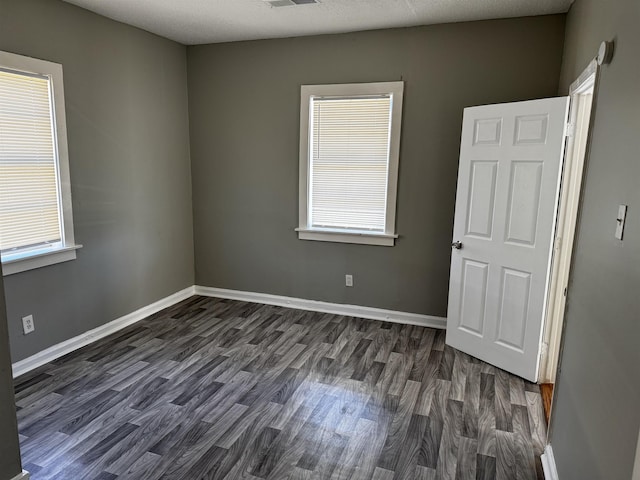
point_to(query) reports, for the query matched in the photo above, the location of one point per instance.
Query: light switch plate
(622, 215)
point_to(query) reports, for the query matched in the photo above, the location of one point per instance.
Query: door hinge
(571, 129)
(542, 354)
(557, 244)
(544, 350)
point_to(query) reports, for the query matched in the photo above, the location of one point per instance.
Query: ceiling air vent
(288, 3)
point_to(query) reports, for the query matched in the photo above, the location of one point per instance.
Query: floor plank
(224, 389)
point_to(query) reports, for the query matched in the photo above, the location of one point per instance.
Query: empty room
(320, 239)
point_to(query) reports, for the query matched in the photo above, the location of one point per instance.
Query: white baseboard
(22, 476)
(326, 307)
(68, 346)
(549, 464)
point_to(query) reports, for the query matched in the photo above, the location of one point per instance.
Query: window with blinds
(29, 199)
(349, 162)
(349, 147)
(36, 218)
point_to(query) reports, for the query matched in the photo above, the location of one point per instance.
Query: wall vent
(288, 3)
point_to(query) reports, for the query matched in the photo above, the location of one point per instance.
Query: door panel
(531, 129)
(482, 193)
(474, 294)
(487, 131)
(514, 308)
(508, 184)
(524, 202)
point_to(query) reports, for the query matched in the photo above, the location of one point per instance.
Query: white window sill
(23, 261)
(345, 236)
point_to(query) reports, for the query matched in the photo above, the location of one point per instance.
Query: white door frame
(580, 117)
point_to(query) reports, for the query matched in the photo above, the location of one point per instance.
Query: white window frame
(307, 92)
(28, 259)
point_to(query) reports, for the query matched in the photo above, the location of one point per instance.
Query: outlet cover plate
(27, 324)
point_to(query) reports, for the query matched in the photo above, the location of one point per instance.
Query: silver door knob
(457, 245)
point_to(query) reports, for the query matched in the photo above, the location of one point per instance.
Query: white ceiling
(211, 21)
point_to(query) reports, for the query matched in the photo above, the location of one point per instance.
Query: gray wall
(597, 408)
(127, 120)
(244, 104)
(10, 465)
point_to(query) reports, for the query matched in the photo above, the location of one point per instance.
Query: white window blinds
(29, 205)
(349, 162)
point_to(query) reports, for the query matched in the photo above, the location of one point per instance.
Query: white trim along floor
(56, 351)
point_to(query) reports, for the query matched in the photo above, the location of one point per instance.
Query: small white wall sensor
(605, 53)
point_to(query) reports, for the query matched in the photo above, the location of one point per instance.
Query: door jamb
(582, 94)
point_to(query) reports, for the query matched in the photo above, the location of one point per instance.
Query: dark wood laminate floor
(220, 389)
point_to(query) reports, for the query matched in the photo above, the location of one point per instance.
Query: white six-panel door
(508, 184)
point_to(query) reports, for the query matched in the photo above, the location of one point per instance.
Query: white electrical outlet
(348, 280)
(27, 324)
